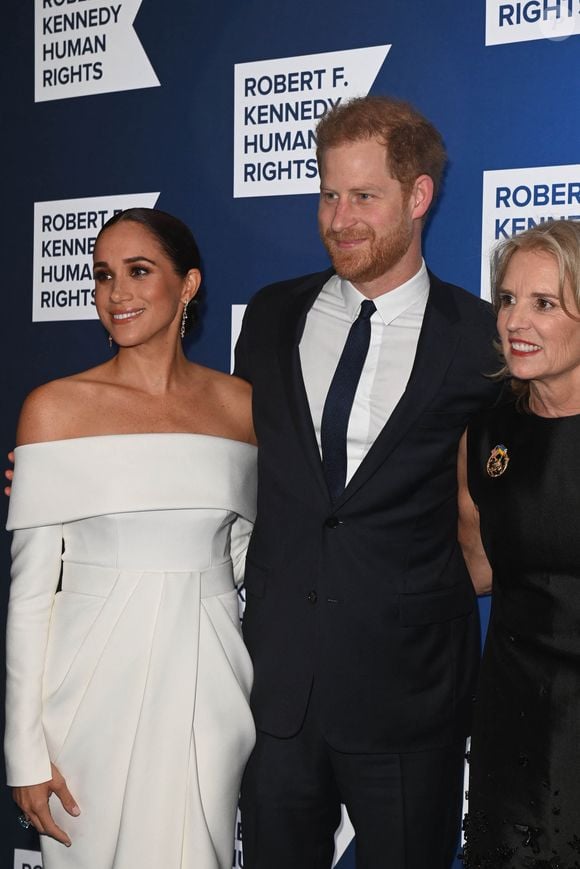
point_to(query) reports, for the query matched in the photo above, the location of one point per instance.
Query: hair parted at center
(175, 238)
(414, 145)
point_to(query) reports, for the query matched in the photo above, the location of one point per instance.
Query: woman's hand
(9, 473)
(33, 800)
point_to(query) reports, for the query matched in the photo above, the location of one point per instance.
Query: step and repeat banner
(208, 111)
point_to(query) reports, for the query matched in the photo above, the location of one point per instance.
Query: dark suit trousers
(405, 808)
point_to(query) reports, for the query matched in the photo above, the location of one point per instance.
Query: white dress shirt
(395, 328)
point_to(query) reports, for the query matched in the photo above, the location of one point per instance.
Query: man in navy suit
(361, 619)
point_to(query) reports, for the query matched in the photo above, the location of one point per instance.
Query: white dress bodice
(152, 540)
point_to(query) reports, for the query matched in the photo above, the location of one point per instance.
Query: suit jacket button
(312, 597)
(332, 522)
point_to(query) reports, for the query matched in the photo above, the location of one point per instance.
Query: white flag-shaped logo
(277, 106)
(88, 48)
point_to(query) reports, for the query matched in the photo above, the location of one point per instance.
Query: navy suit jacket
(367, 597)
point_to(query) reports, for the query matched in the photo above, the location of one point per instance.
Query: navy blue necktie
(338, 404)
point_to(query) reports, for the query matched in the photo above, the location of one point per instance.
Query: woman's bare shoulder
(230, 388)
(49, 410)
(232, 397)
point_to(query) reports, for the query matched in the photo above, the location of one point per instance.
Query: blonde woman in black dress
(519, 477)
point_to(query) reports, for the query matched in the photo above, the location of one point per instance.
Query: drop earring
(110, 342)
(183, 319)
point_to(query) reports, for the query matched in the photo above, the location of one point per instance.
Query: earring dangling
(183, 319)
(110, 342)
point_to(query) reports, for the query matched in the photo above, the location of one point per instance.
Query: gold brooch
(498, 461)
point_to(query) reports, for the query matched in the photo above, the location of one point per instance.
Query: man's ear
(421, 196)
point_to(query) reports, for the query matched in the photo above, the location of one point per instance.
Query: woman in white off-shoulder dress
(128, 724)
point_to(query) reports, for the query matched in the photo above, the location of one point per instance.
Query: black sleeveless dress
(524, 791)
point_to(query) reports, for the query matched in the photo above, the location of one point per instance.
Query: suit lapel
(291, 329)
(436, 348)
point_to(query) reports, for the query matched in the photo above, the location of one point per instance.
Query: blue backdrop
(499, 79)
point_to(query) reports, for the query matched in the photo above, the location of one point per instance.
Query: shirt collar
(392, 304)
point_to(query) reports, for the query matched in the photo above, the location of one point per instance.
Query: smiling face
(137, 291)
(369, 223)
(540, 341)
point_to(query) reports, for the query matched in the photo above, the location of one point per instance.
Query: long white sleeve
(36, 561)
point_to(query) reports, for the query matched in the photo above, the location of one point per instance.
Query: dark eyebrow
(131, 259)
(136, 259)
